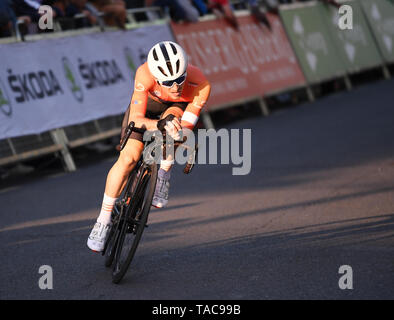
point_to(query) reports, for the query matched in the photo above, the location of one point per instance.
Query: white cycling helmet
(167, 61)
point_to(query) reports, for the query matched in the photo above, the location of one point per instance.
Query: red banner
(240, 64)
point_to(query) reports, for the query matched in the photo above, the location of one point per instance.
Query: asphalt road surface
(320, 195)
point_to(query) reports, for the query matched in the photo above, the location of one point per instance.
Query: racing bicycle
(130, 214)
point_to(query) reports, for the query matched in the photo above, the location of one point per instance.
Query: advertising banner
(54, 83)
(312, 41)
(240, 64)
(380, 15)
(357, 45)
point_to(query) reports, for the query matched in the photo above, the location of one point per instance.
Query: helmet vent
(177, 66)
(169, 66)
(173, 48)
(162, 71)
(165, 52)
(155, 55)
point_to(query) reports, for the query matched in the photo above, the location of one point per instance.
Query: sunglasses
(170, 83)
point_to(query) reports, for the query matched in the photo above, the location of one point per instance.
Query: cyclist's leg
(117, 176)
(160, 198)
(116, 181)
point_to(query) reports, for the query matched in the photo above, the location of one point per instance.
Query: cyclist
(168, 94)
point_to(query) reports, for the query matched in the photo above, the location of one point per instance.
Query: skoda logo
(72, 80)
(5, 102)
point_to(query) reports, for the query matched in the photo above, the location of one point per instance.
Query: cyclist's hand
(173, 127)
(171, 124)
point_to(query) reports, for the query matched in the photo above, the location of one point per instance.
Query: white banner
(54, 83)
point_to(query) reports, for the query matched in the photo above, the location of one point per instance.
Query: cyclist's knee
(127, 161)
(130, 154)
(176, 111)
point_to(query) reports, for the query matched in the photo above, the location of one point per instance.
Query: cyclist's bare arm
(193, 109)
(137, 115)
(142, 122)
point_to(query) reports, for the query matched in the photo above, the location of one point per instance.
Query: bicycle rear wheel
(135, 221)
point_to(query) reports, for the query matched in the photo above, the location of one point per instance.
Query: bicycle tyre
(112, 240)
(144, 194)
(117, 222)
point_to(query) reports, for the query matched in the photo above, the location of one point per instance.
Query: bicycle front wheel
(117, 218)
(113, 237)
(135, 222)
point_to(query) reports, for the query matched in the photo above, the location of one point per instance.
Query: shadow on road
(299, 263)
(293, 263)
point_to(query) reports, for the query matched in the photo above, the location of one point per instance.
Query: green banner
(380, 15)
(312, 41)
(356, 46)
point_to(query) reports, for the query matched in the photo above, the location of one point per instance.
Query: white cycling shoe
(160, 198)
(98, 236)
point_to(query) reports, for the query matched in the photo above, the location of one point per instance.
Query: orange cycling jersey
(196, 91)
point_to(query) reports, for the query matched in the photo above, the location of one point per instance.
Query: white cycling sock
(166, 164)
(106, 209)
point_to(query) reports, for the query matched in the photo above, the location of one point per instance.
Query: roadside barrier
(69, 91)
(304, 48)
(380, 17)
(324, 51)
(241, 65)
